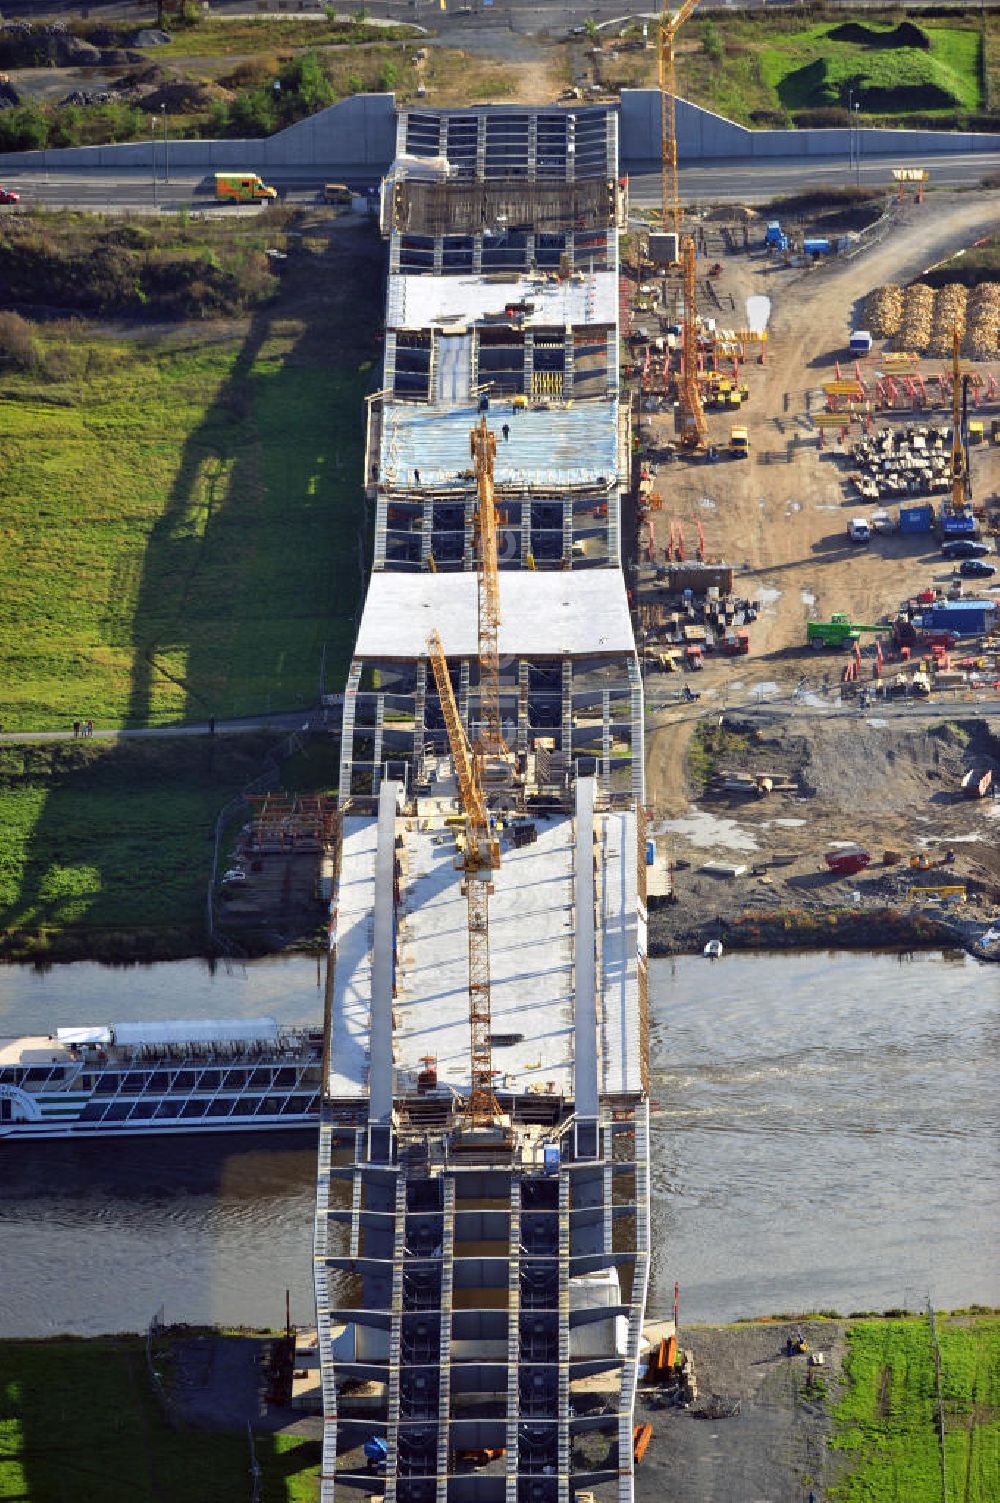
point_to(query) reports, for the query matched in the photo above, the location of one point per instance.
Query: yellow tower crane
(670, 25)
(693, 425)
(479, 858)
(694, 428)
(483, 447)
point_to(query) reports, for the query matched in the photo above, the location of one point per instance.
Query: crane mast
(478, 860)
(483, 447)
(669, 190)
(694, 428)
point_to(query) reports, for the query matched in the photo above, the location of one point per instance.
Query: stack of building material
(982, 338)
(883, 311)
(949, 315)
(918, 309)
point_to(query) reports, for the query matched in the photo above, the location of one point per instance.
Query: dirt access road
(784, 525)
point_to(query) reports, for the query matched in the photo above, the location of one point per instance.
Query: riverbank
(864, 1424)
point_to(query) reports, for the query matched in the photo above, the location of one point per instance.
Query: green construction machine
(839, 631)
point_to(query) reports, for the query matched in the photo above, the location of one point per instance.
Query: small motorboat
(845, 860)
(713, 949)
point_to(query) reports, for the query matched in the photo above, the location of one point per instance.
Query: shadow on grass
(250, 581)
(79, 1420)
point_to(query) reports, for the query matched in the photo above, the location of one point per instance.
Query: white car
(858, 530)
(234, 874)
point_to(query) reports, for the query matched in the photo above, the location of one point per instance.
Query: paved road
(86, 188)
(281, 720)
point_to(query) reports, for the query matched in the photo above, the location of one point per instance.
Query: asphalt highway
(746, 181)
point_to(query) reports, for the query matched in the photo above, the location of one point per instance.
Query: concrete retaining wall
(702, 136)
(357, 135)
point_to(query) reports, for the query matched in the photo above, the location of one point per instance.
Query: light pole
(152, 154)
(163, 115)
(857, 148)
(850, 134)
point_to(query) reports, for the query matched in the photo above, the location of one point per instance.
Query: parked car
(975, 568)
(964, 548)
(9, 196)
(235, 874)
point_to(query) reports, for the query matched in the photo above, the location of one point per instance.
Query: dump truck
(839, 631)
(242, 188)
(739, 443)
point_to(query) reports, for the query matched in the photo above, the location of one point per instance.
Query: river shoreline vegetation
(184, 538)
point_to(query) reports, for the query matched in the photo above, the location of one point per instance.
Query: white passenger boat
(713, 949)
(170, 1077)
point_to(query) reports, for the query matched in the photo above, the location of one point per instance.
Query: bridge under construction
(482, 1228)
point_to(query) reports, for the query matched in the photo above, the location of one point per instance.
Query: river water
(826, 1136)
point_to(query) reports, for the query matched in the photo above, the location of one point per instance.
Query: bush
(305, 87)
(23, 129)
(711, 42)
(770, 119)
(252, 72)
(17, 343)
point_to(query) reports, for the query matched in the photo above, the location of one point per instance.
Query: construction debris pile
(913, 461)
(921, 319)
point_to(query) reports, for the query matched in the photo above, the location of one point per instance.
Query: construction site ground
(757, 1429)
(781, 520)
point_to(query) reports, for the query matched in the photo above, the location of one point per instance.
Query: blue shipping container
(969, 618)
(816, 247)
(916, 518)
(650, 852)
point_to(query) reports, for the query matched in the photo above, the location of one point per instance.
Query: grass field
(885, 1424)
(183, 512)
(809, 69)
(183, 528)
(77, 1420)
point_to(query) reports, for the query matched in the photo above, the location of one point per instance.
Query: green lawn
(810, 69)
(886, 1421)
(77, 1420)
(182, 513)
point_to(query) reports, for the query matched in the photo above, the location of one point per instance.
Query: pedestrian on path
(505, 430)
(90, 727)
(76, 727)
